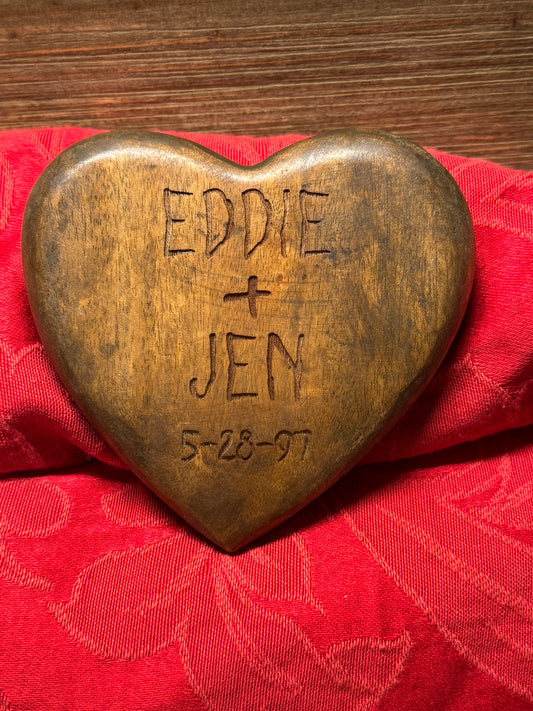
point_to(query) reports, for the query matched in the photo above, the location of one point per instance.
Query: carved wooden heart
(241, 336)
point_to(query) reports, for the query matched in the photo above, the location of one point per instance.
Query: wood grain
(241, 336)
(455, 76)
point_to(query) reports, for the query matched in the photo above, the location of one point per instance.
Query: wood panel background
(456, 76)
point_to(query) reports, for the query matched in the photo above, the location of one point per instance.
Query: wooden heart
(241, 336)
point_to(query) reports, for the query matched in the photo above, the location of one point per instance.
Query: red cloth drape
(409, 585)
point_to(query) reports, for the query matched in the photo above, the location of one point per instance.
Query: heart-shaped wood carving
(241, 336)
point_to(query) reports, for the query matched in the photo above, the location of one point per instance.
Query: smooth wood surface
(242, 336)
(456, 76)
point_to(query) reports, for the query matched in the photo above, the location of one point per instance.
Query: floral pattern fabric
(408, 585)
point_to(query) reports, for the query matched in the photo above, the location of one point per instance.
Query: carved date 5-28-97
(229, 446)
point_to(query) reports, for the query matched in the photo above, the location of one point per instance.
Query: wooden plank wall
(455, 75)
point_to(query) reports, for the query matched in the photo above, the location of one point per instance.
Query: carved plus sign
(251, 294)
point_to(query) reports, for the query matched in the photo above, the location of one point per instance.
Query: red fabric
(409, 585)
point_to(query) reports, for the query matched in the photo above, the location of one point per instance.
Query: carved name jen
(254, 217)
(276, 352)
